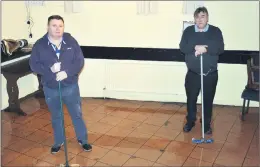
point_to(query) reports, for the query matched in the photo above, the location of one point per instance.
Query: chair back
(253, 72)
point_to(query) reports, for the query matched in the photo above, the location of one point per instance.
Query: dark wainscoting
(149, 54)
(155, 54)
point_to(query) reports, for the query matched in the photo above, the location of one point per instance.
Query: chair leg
(247, 106)
(243, 110)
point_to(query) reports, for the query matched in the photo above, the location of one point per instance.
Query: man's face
(56, 28)
(201, 20)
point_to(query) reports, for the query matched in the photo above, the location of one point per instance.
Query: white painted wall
(115, 23)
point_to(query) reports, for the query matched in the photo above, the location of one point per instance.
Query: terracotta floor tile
(151, 105)
(157, 142)
(128, 105)
(115, 158)
(253, 153)
(96, 154)
(146, 111)
(114, 103)
(8, 139)
(149, 129)
(22, 146)
(167, 133)
(229, 159)
(122, 112)
(39, 136)
(180, 148)
(23, 160)
(138, 162)
(91, 101)
(49, 141)
(58, 158)
(196, 162)
(92, 136)
(183, 108)
(226, 118)
(155, 120)
(251, 162)
(140, 132)
(82, 161)
(99, 164)
(43, 164)
(255, 141)
(137, 137)
(67, 120)
(40, 112)
(73, 146)
(36, 123)
(170, 107)
(128, 124)
(105, 109)
(111, 120)
(148, 153)
(166, 114)
(158, 165)
(94, 117)
(88, 106)
(171, 159)
(107, 142)
(233, 148)
(8, 155)
(118, 132)
(174, 124)
(137, 116)
(219, 135)
(216, 145)
(47, 128)
(217, 165)
(187, 137)
(127, 147)
(178, 116)
(204, 154)
(239, 139)
(70, 132)
(9, 127)
(22, 133)
(46, 116)
(38, 152)
(100, 127)
(221, 126)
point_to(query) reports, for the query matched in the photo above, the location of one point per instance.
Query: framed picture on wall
(187, 24)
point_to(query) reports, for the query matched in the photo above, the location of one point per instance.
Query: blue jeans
(71, 98)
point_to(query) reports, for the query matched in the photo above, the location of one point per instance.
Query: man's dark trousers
(193, 86)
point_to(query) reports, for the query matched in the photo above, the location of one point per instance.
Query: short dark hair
(55, 17)
(201, 9)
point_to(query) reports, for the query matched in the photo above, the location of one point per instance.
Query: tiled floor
(131, 133)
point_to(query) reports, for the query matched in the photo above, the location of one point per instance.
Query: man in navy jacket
(57, 57)
(206, 39)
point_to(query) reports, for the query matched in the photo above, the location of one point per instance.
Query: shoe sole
(59, 149)
(84, 149)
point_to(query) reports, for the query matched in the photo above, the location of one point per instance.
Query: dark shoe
(188, 126)
(208, 131)
(86, 147)
(56, 149)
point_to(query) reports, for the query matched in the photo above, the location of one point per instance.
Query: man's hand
(197, 53)
(61, 76)
(55, 67)
(201, 49)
